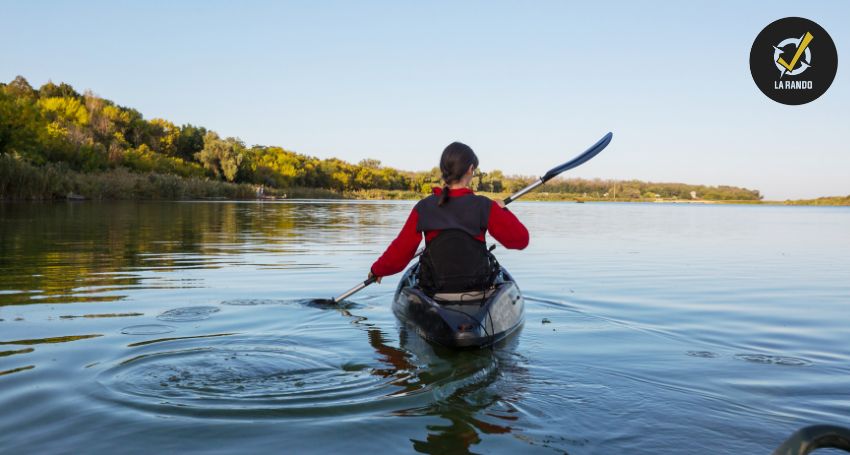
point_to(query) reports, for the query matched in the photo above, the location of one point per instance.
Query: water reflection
(75, 254)
(303, 373)
(463, 382)
(51, 340)
(102, 315)
(684, 337)
(476, 405)
(162, 340)
(17, 370)
(19, 351)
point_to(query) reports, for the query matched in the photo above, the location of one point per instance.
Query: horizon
(368, 83)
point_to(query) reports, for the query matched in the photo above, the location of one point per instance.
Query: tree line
(88, 134)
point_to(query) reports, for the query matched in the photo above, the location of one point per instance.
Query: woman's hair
(454, 163)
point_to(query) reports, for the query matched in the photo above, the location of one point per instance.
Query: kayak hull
(473, 320)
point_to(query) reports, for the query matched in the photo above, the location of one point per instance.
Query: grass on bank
(20, 180)
(831, 200)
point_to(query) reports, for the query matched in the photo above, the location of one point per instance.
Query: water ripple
(188, 314)
(148, 329)
(774, 360)
(703, 354)
(257, 377)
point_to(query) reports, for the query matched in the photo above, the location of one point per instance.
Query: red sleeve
(401, 250)
(505, 227)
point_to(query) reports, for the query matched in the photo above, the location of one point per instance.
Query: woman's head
(456, 162)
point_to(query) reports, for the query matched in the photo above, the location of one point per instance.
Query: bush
(20, 180)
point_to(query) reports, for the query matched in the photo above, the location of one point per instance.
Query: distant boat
(75, 197)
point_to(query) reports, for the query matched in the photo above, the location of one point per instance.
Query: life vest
(454, 260)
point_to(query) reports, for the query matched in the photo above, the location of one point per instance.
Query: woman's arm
(505, 227)
(401, 250)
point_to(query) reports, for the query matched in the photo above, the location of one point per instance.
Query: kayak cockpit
(465, 319)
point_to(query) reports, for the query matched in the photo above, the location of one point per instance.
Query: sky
(526, 84)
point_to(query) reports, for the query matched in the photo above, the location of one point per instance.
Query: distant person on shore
(453, 221)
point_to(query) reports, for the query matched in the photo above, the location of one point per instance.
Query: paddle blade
(581, 159)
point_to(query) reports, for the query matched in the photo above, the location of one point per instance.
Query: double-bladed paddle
(575, 162)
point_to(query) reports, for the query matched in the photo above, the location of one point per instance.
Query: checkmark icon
(804, 43)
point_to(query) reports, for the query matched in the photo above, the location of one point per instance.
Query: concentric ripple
(254, 302)
(270, 377)
(774, 360)
(188, 314)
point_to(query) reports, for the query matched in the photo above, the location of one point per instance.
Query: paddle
(575, 162)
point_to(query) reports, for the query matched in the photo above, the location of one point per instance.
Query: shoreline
(321, 194)
(20, 181)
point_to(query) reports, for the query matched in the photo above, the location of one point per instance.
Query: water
(650, 328)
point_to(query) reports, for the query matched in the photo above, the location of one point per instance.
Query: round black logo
(793, 61)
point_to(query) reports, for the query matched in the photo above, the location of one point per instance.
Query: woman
(453, 220)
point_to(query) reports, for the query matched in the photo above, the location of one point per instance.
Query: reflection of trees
(68, 252)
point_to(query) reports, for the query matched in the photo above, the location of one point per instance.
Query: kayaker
(453, 221)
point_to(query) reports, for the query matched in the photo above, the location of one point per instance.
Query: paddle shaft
(354, 290)
(521, 192)
(575, 162)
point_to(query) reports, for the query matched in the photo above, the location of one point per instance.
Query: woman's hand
(377, 278)
(500, 203)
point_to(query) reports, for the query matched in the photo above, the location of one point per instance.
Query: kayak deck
(471, 319)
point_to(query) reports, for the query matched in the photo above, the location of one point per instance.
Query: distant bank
(21, 181)
(56, 143)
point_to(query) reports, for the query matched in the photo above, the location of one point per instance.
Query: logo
(793, 61)
(802, 46)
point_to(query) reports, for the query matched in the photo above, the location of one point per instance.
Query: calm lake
(146, 327)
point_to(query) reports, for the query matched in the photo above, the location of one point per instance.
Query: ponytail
(454, 163)
(444, 196)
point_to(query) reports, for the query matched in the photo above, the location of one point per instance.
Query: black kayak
(463, 319)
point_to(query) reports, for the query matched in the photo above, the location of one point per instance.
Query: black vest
(469, 213)
(454, 261)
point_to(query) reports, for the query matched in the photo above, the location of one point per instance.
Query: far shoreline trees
(57, 125)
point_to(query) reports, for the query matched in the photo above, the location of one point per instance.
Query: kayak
(462, 319)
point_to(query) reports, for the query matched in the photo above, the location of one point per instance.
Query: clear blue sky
(526, 84)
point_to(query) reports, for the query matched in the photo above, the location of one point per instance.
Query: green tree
(370, 163)
(20, 88)
(64, 110)
(64, 90)
(166, 136)
(190, 141)
(19, 126)
(221, 156)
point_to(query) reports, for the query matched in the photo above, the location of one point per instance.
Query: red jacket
(502, 224)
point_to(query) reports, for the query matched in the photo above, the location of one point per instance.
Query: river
(145, 327)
